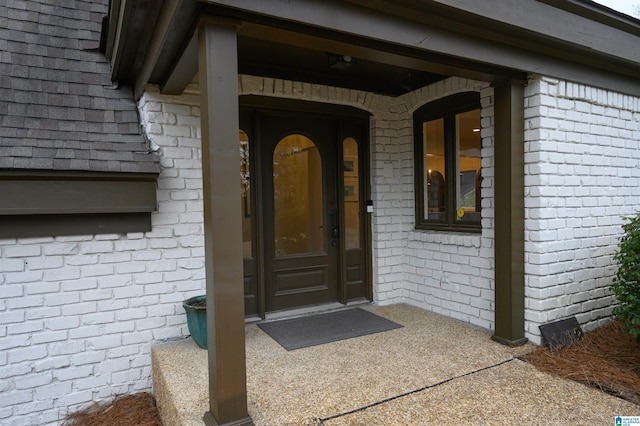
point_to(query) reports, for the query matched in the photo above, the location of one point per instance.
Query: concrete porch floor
(433, 370)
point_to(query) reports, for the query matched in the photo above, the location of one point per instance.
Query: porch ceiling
(270, 59)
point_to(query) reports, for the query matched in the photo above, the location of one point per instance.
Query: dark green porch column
(509, 213)
(218, 74)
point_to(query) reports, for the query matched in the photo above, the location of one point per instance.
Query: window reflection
(468, 161)
(351, 193)
(245, 191)
(448, 149)
(434, 170)
(297, 197)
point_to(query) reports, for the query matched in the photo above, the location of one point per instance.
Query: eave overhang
(569, 39)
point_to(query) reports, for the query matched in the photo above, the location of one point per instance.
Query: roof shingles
(59, 109)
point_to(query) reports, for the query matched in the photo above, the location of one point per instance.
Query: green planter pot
(196, 309)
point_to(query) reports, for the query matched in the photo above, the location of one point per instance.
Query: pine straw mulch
(138, 409)
(607, 358)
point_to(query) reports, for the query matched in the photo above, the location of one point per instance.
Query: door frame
(254, 106)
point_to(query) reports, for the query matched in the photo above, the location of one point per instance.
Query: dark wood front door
(300, 212)
(304, 217)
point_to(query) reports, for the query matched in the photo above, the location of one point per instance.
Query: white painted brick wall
(78, 315)
(446, 272)
(582, 174)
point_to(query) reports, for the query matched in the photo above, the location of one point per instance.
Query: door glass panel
(351, 179)
(433, 148)
(297, 197)
(468, 162)
(245, 191)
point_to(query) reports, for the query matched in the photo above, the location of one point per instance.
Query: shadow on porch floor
(432, 369)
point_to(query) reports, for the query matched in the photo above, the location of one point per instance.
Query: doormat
(315, 330)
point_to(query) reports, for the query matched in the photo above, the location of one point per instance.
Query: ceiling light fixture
(340, 62)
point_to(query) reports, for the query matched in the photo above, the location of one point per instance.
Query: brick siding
(447, 272)
(582, 174)
(78, 315)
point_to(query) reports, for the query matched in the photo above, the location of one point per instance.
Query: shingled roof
(59, 109)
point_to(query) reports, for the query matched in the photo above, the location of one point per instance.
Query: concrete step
(180, 382)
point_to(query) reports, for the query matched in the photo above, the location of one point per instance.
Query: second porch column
(218, 74)
(509, 213)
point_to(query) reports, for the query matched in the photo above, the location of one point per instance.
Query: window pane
(351, 193)
(245, 194)
(434, 172)
(297, 196)
(468, 161)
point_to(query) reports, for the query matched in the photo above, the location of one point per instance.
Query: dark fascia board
(381, 37)
(401, 28)
(599, 13)
(130, 29)
(467, 39)
(166, 20)
(563, 29)
(578, 23)
(182, 32)
(176, 64)
(327, 40)
(417, 39)
(113, 20)
(119, 18)
(45, 193)
(143, 36)
(476, 20)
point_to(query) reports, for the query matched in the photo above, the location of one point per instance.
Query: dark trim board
(69, 196)
(73, 224)
(288, 105)
(41, 203)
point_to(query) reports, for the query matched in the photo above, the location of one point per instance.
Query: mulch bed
(607, 359)
(129, 410)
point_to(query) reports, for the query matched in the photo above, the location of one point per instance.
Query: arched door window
(297, 197)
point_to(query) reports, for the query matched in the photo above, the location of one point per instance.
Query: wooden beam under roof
(160, 33)
(184, 69)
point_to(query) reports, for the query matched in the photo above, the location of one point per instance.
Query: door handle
(334, 228)
(334, 236)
